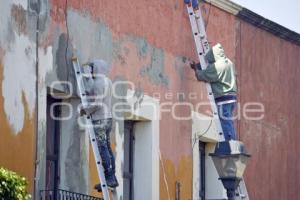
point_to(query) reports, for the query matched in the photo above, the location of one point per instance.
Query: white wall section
(19, 81)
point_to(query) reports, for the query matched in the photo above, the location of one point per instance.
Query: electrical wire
(165, 177)
(67, 45)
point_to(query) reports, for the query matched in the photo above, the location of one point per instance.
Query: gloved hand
(81, 111)
(195, 66)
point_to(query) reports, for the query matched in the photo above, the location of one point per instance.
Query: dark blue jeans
(102, 132)
(227, 121)
(195, 3)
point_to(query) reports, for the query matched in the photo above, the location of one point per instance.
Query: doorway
(52, 143)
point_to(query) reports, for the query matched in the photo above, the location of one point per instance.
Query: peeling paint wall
(148, 43)
(132, 56)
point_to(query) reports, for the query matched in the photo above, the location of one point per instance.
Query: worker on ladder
(220, 73)
(99, 91)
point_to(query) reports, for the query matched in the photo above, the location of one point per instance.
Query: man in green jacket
(220, 73)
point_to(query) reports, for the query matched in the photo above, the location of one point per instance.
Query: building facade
(161, 108)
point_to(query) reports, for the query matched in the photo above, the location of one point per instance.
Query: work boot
(112, 181)
(98, 187)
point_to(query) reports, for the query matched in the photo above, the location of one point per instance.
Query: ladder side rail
(90, 128)
(202, 31)
(80, 83)
(201, 53)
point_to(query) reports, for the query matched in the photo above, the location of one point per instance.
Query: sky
(283, 12)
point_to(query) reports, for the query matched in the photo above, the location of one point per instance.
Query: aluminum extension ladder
(89, 125)
(202, 46)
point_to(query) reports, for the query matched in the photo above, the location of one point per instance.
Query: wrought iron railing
(64, 195)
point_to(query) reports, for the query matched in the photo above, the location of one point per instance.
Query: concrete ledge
(226, 5)
(257, 20)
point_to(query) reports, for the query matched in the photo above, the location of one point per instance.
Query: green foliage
(12, 186)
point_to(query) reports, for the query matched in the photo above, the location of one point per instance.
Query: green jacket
(220, 72)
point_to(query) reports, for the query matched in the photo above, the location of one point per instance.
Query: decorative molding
(257, 20)
(270, 26)
(226, 5)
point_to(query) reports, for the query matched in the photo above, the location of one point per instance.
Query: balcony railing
(64, 195)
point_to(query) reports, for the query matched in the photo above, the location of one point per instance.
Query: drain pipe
(35, 5)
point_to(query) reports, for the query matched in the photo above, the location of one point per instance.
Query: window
(128, 160)
(202, 170)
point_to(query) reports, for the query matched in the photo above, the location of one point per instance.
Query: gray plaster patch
(73, 163)
(38, 9)
(41, 8)
(117, 52)
(64, 68)
(180, 63)
(74, 153)
(119, 96)
(121, 53)
(155, 70)
(61, 57)
(141, 44)
(34, 6)
(90, 39)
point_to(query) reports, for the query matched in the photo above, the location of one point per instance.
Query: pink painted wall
(268, 72)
